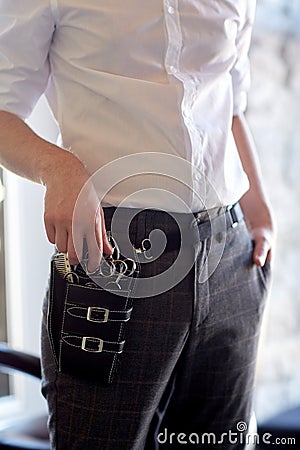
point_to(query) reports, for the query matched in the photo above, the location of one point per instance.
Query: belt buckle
(97, 309)
(97, 341)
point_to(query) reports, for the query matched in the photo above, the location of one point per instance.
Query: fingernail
(92, 269)
(109, 247)
(261, 261)
(257, 260)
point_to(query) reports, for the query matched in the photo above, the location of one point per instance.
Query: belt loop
(233, 215)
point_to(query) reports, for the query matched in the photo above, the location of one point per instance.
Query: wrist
(258, 212)
(57, 163)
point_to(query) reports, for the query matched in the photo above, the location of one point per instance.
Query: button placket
(174, 36)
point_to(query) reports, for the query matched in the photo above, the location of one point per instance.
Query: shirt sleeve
(240, 73)
(26, 31)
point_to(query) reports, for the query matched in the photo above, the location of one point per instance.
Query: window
(4, 382)
(27, 254)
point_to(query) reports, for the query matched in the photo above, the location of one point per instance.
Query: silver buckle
(96, 309)
(95, 340)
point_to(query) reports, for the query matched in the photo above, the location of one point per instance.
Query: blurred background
(273, 113)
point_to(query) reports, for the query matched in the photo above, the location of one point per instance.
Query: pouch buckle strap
(93, 344)
(98, 314)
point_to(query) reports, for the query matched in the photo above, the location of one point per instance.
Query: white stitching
(49, 317)
(114, 363)
(63, 323)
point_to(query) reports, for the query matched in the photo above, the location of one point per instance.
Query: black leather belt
(206, 223)
(233, 215)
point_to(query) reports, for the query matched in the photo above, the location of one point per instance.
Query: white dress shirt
(136, 76)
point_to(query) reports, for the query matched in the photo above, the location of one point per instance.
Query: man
(147, 79)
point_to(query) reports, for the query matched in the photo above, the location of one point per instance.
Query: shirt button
(172, 69)
(171, 10)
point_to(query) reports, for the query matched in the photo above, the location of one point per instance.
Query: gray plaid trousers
(188, 366)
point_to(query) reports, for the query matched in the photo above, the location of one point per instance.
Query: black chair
(282, 429)
(25, 434)
(29, 434)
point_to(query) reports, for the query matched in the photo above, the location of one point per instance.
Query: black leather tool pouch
(87, 322)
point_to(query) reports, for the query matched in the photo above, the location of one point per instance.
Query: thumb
(107, 248)
(260, 251)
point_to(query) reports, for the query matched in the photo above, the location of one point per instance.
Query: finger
(61, 240)
(98, 230)
(50, 231)
(269, 257)
(75, 244)
(107, 248)
(94, 252)
(260, 251)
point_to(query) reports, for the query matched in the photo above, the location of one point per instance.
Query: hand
(261, 227)
(262, 238)
(254, 203)
(64, 183)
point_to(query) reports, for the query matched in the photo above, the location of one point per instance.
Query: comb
(63, 266)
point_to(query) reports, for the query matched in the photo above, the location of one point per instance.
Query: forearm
(256, 195)
(26, 154)
(254, 203)
(64, 176)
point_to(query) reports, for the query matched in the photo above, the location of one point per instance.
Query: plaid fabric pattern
(189, 361)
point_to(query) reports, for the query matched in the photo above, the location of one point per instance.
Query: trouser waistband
(141, 222)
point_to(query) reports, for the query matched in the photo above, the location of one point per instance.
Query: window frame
(27, 254)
